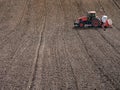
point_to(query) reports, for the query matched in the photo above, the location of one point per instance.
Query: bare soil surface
(40, 50)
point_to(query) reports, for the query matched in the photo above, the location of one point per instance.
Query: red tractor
(92, 20)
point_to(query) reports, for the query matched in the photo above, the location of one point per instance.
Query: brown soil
(39, 49)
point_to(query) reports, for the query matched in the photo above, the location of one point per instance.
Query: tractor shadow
(88, 28)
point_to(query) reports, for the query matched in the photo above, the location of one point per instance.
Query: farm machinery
(91, 20)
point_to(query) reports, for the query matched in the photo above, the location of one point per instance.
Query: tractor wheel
(81, 25)
(95, 22)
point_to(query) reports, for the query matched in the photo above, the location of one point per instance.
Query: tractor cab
(91, 15)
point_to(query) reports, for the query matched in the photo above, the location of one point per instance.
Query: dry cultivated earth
(39, 49)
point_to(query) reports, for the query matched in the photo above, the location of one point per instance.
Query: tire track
(101, 72)
(19, 22)
(114, 58)
(82, 67)
(21, 41)
(91, 57)
(62, 63)
(10, 18)
(96, 65)
(107, 77)
(11, 7)
(39, 47)
(7, 40)
(99, 3)
(34, 67)
(72, 70)
(53, 69)
(116, 3)
(109, 43)
(65, 51)
(32, 35)
(43, 63)
(3, 8)
(14, 53)
(24, 41)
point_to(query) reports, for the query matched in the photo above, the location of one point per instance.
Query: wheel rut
(15, 30)
(95, 63)
(116, 3)
(34, 67)
(39, 50)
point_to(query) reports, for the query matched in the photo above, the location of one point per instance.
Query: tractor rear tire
(82, 25)
(96, 22)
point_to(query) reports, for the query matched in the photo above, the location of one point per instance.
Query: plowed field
(40, 50)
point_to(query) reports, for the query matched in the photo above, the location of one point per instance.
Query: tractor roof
(91, 11)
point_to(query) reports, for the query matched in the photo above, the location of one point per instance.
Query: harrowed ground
(39, 49)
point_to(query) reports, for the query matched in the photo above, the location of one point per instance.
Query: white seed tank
(104, 18)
